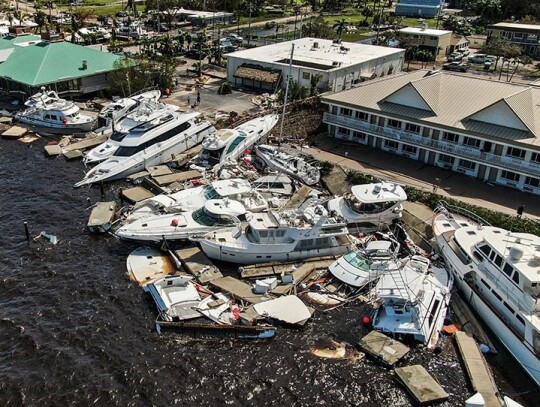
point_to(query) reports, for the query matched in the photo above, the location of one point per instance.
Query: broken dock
(420, 384)
(478, 370)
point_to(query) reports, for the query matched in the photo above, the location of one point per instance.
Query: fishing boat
(227, 145)
(158, 140)
(498, 272)
(291, 164)
(47, 109)
(235, 189)
(370, 206)
(294, 234)
(122, 122)
(362, 266)
(118, 109)
(214, 215)
(413, 300)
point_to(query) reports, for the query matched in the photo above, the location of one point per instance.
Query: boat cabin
(375, 198)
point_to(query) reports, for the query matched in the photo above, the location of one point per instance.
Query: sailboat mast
(286, 94)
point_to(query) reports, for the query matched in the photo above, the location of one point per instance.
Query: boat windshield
(361, 207)
(204, 218)
(242, 136)
(211, 193)
(118, 136)
(356, 261)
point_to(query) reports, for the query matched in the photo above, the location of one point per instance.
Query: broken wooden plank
(238, 331)
(158, 170)
(53, 149)
(136, 194)
(420, 384)
(177, 177)
(15, 132)
(277, 268)
(29, 138)
(101, 217)
(195, 262)
(238, 289)
(86, 143)
(137, 175)
(298, 198)
(73, 154)
(383, 348)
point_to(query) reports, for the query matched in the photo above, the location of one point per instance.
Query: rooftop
(316, 53)
(531, 27)
(424, 31)
(508, 111)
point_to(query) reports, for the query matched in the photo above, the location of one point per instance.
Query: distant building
(419, 8)
(527, 36)
(428, 39)
(202, 18)
(28, 62)
(485, 129)
(334, 66)
(458, 43)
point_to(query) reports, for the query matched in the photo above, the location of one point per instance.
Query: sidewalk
(417, 174)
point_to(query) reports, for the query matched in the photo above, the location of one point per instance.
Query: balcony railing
(459, 151)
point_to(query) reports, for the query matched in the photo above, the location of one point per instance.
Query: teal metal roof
(10, 41)
(49, 62)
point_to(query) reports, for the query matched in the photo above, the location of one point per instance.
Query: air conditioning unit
(315, 45)
(511, 184)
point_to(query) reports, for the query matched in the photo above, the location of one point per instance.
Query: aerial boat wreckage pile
(284, 247)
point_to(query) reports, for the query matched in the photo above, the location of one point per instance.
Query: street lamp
(249, 24)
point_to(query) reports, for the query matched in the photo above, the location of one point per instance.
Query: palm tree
(340, 26)
(40, 19)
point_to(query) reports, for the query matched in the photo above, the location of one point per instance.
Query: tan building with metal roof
(485, 129)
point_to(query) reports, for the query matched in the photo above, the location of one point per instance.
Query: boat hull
(52, 127)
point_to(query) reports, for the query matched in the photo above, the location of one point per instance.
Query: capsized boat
(47, 109)
(291, 164)
(227, 145)
(176, 297)
(214, 215)
(414, 300)
(294, 234)
(236, 189)
(369, 206)
(165, 135)
(498, 272)
(143, 111)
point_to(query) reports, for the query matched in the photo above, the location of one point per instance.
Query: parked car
(196, 54)
(477, 58)
(234, 38)
(456, 66)
(455, 56)
(121, 13)
(464, 52)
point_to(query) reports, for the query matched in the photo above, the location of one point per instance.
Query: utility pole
(379, 23)
(249, 24)
(286, 93)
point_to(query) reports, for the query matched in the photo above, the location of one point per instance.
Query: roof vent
(84, 64)
(315, 45)
(336, 63)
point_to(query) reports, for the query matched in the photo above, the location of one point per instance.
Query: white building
(481, 128)
(337, 65)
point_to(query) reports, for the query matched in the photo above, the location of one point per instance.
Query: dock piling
(101, 187)
(26, 231)
(121, 193)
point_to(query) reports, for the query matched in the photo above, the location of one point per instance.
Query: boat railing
(148, 89)
(501, 288)
(449, 209)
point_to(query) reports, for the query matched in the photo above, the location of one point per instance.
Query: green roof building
(28, 62)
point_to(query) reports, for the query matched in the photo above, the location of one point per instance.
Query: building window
(446, 159)
(532, 182)
(451, 137)
(515, 152)
(433, 38)
(535, 158)
(343, 131)
(411, 150)
(510, 176)
(396, 124)
(518, 36)
(467, 165)
(362, 116)
(346, 112)
(391, 145)
(412, 128)
(470, 141)
(306, 76)
(359, 136)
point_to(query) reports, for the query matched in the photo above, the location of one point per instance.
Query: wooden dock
(136, 194)
(422, 386)
(383, 348)
(478, 370)
(195, 262)
(238, 289)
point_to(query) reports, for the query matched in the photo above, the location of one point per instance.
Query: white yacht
(370, 206)
(236, 189)
(100, 33)
(360, 267)
(280, 236)
(120, 108)
(499, 274)
(143, 111)
(154, 142)
(294, 165)
(47, 109)
(274, 185)
(227, 145)
(215, 214)
(413, 300)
